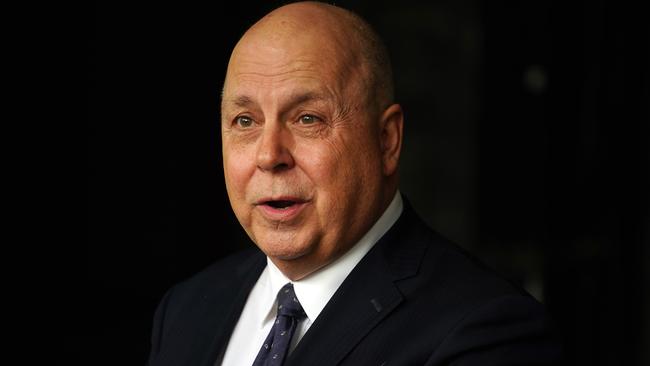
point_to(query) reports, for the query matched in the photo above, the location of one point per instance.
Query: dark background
(526, 142)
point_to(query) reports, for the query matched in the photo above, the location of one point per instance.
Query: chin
(278, 249)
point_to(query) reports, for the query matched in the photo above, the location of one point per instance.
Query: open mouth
(280, 204)
(281, 208)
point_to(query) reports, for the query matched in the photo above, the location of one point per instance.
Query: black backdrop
(526, 142)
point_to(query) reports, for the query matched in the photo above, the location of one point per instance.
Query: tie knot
(288, 304)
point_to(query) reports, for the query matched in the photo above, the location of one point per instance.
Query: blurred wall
(526, 142)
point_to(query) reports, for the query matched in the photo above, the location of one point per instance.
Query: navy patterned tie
(276, 346)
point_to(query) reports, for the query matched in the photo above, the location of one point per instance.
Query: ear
(391, 126)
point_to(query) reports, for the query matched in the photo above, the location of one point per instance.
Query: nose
(273, 152)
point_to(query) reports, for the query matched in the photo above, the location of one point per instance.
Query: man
(346, 273)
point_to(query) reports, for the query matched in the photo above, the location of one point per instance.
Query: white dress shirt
(313, 292)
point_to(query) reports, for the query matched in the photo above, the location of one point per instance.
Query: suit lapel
(365, 298)
(220, 327)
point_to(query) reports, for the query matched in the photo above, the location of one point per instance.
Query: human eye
(308, 119)
(243, 121)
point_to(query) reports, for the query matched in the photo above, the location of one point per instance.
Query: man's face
(301, 150)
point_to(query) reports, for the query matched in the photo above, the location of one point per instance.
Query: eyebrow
(242, 101)
(304, 97)
(293, 100)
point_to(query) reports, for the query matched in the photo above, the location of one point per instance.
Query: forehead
(273, 87)
(279, 90)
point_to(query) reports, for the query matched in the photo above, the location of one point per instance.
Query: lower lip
(281, 214)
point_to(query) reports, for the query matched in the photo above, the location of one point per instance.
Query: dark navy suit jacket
(414, 299)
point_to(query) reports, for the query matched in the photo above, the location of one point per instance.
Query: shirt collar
(315, 290)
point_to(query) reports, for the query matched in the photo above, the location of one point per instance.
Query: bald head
(336, 35)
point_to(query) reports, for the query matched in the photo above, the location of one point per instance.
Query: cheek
(319, 161)
(352, 174)
(237, 172)
(334, 168)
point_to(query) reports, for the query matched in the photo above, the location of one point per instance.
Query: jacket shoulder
(232, 267)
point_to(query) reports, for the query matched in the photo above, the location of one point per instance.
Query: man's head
(311, 137)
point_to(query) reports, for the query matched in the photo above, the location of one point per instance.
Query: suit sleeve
(158, 327)
(510, 330)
